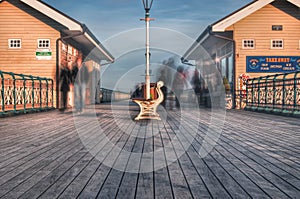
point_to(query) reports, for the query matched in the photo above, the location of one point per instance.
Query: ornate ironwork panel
(278, 93)
(19, 92)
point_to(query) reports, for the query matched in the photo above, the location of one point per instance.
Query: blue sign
(272, 64)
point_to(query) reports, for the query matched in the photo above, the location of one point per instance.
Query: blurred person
(80, 85)
(179, 83)
(64, 79)
(196, 84)
(163, 77)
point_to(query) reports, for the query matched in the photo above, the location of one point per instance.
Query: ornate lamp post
(147, 105)
(147, 6)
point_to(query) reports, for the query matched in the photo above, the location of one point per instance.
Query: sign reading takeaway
(272, 64)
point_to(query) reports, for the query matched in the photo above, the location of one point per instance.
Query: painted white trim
(232, 19)
(38, 43)
(247, 47)
(277, 48)
(97, 46)
(11, 47)
(70, 24)
(295, 2)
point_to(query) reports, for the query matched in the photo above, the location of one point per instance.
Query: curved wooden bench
(148, 107)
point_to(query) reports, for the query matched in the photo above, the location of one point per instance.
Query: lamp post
(147, 6)
(147, 105)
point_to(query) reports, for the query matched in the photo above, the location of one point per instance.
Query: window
(14, 43)
(64, 47)
(70, 50)
(248, 44)
(276, 44)
(43, 43)
(75, 52)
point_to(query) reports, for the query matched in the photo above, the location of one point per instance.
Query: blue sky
(117, 25)
(109, 17)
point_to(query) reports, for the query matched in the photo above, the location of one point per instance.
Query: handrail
(108, 95)
(278, 93)
(22, 93)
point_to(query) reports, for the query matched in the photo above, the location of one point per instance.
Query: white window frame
(74, 52)
(274, 47)
(248, 47)
(43, 47)
(14, 47)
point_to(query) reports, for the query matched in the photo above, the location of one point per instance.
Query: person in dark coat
(65, 85)
(81, 82)
(196, 83)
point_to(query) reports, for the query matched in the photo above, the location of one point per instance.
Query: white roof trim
(60, 18)
(232, 19)
(70, 24)
(295, 2)
(97, 46)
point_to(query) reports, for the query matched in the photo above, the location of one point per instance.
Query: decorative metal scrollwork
(20, 92)
(278, 93)
(289, 96)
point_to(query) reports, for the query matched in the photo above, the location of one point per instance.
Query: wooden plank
(145, 183)
(180, 185)
(222, 170)
(77, 185)
(37, 175)
(54, 182)
(274, 190)
(96, 183)
(244, 162)
(211, 181)
(127, 181)
(163, 187)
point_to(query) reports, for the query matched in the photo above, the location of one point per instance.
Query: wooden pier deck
(45, 155)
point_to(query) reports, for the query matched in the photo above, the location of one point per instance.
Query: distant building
(259, 39)
(37, 39)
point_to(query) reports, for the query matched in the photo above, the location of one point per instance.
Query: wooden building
(37, 39)
(259, 39)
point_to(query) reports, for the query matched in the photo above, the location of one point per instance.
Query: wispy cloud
(109, 17)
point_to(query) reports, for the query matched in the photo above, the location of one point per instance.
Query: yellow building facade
(36, 39)
(260, 39)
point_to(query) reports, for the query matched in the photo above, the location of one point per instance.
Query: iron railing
(107, 95)
(24, 93)
(278, 93)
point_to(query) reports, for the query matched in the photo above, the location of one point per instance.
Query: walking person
(164, 89)
(64, 85)
(80, 86)
(196, 83)
(179, 83)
